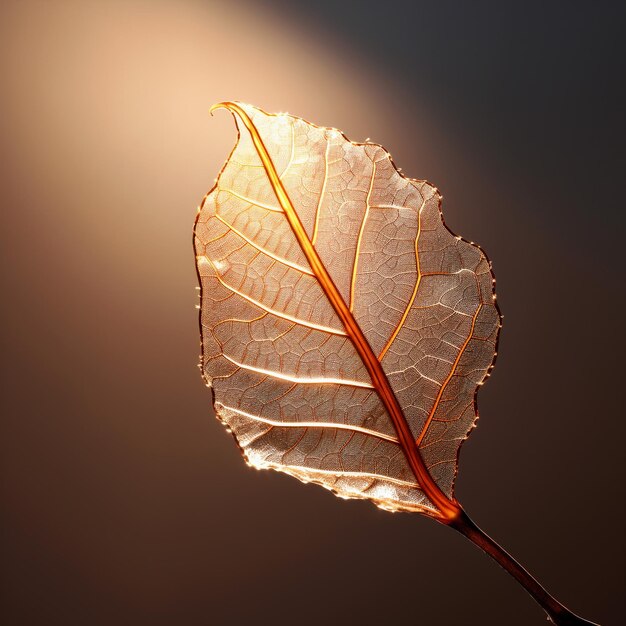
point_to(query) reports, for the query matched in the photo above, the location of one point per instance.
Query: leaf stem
(557, 613)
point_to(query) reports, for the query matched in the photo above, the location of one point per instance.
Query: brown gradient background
(124, 501)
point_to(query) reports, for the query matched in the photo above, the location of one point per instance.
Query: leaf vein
(285, 316)
(313, 380)
(263, 250)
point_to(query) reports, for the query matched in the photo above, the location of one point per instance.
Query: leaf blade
(377, 197)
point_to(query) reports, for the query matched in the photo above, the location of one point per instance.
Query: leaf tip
(218, 105)
(229, 105)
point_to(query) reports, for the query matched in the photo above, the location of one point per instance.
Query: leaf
(345, 329)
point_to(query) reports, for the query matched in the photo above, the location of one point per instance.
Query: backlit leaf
(345, 329)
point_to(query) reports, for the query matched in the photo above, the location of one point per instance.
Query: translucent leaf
(345, 329)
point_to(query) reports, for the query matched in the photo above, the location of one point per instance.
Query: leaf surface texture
(345, 329)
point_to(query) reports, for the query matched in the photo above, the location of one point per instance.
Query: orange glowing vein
(448, 509)
(415, 289)
(431, 415)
